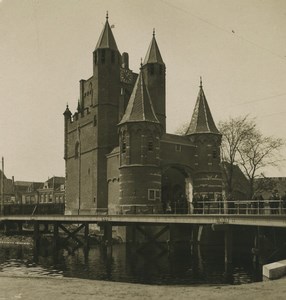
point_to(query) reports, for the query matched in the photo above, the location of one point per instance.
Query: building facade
(117, 152)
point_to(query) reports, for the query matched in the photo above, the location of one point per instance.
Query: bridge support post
(107, 238)
(228, 245)
(20, 227)
(86, 235)
(56, 235)
(36, 235)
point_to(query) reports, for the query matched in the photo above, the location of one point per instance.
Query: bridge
(221, 217)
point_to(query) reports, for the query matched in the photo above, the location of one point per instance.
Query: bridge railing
(238, 207)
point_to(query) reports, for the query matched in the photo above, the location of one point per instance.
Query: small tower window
(95, 58)
(152, 69)
(178, 148)
(150, 146)
(112, 57)
(94, 120)
(102, 56)
(214, 154)
(123, 147)
(76, 150)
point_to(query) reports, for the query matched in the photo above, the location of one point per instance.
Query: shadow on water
(202, 265)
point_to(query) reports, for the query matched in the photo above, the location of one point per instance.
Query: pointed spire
(153, 54)
(202, 120)
(106, 39)
(67, 112)
(78, 106)
(140, 106)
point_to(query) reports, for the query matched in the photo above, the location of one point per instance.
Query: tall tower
(203, 133)
(139, 138)
(154, 72)
(92, 131)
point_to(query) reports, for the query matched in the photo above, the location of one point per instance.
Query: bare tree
(264, 184)
(257, 152)
(234, 132)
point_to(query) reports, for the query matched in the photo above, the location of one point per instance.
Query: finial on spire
(201, 82)
(107, 15)
(141, 63)
(153, 32)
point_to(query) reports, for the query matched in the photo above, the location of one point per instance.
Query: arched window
(76, 150)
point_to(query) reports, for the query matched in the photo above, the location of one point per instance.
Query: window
(123, 147)
(152, 69)
(94, 120)
(112, 57)
(154, 194)
(76, 150)
(102, 56)
(95, 58)
(214, 154)
(178, 148)
(150, 146)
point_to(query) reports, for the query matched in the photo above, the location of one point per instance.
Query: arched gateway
(177, 188)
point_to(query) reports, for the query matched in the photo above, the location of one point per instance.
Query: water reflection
(126, 264)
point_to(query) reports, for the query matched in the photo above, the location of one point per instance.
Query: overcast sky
(238, 47)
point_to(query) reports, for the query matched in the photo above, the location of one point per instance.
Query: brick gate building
(117, 152)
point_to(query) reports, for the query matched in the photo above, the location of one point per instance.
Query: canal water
(204, 265)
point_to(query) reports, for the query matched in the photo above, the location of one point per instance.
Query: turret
(154, 72)
(67, 115)
(139, 139)
(203, 132)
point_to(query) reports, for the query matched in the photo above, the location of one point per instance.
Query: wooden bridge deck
(231, 219)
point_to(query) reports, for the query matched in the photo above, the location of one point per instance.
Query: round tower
(203, 133)
(139, 138)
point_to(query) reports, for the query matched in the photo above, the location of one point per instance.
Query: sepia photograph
(143, 149)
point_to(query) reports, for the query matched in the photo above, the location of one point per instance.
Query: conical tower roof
(153, 54)
(106, 39)
(140, 106)
(202, 120)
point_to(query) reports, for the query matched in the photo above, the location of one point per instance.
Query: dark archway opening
(174, 199)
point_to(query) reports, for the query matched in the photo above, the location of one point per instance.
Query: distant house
(266, 185)
(29, 193)
(52, 191)
(8, 189)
